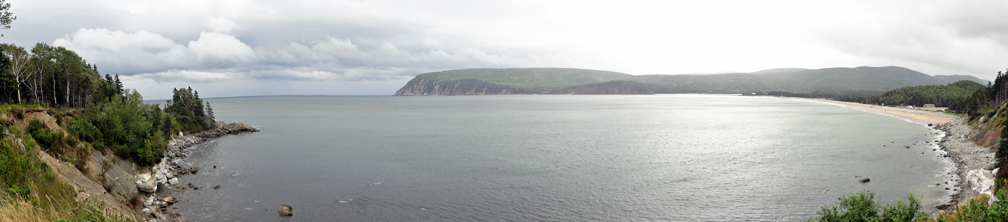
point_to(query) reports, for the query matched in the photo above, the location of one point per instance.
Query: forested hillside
(54, 103)
(579, 81)
(504, 81)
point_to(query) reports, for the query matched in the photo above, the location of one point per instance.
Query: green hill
(504, 81)
(951, 95)
(844, 79)
(957, 78)
(582, 81)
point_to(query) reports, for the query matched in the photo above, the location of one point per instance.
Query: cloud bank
(258, 47)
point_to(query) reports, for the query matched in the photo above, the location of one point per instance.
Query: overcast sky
(355, 47)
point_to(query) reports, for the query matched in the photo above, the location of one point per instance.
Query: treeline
(51, 76)
(849, 96)
(956, 96)
(952, 95)
(988, 98)
(107, 115)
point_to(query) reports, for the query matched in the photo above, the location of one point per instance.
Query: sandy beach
(917, 116)
(972, 173)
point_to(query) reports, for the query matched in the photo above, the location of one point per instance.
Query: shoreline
(165, 175)
(971, 164)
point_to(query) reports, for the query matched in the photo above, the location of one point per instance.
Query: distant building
(929, 106)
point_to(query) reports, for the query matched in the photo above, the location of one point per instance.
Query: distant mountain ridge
(584, 81)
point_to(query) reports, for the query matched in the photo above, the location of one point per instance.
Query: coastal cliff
(421, 86)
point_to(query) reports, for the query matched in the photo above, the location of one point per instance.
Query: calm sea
(552, 158)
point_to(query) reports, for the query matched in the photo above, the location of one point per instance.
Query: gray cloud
(308, 43)
(936, 37)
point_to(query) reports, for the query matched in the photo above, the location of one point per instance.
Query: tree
(209, 111)
(6, 17)
(18, 64)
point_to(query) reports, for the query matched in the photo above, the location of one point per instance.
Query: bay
(553, 158)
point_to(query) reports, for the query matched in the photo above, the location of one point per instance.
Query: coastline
(165, 175)
(971, 164)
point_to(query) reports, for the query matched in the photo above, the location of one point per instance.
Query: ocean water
(553, 158)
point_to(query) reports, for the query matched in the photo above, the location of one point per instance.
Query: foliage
(48, 139)
(31, 192)
(83, 129)
(125, 125)
(188, 110)
(978, 209)
(862, 207)
(951, 95)
(6, 17)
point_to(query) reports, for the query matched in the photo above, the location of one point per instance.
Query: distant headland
(584, 81)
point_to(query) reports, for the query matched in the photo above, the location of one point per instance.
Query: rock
(148, 211)
(981, 181)
(168, 199)
(172, 181)
(944, 206)
(865, 180)
(149, 201)
(194, 170)
(216, 187)
(286, 210)
(930, 124)
(146, 183)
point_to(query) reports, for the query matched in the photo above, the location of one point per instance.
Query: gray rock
(172, 181)
(146, 183)
(286, 210)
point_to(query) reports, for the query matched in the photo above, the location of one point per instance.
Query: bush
(16, 165)
(83, 129)
(862, 207)
(977, 209)
(49, 140)
(127, 129)
(18, 112)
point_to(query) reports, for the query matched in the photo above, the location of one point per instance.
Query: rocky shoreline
(165, 174)
(973, 173)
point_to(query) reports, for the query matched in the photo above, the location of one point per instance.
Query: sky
(227, 48)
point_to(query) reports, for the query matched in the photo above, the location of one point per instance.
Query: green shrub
(127, 129)
(977, 209)
(83, 129)
(49, 140)
(17, 111)
(862, 207)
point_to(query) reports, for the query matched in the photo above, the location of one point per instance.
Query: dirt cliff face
(426, 87)
(104, 178)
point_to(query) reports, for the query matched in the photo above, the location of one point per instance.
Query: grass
(29, 189)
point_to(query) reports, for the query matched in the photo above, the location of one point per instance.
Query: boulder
(172, 181)
(146, 183)
(286, 210)
(168, 199)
